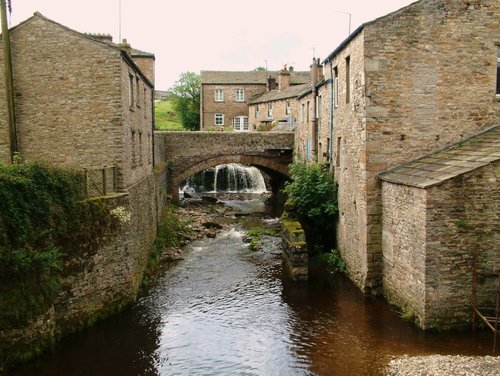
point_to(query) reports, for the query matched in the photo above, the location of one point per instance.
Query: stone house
(85, 103)
(395, 92)
(225, 96)
(80, 100)
(277, 107)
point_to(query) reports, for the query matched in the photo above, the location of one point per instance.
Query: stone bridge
(187, 153)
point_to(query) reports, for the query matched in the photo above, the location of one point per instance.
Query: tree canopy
(187, 99)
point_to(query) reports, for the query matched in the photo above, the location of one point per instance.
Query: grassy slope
(166, 118)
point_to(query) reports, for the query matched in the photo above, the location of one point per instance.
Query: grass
(166, 118)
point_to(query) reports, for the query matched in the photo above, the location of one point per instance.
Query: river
(227, 310)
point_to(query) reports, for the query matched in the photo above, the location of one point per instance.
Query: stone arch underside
(266, 164)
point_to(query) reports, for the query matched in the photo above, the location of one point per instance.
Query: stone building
(224, 96)
(84, 103)
(398, 88)
(80, 101)
(277, 108)
(437, 211)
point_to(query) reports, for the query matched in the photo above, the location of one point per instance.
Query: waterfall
(227, 178)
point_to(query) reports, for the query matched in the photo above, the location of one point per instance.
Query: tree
(187, 99)
(260, 69)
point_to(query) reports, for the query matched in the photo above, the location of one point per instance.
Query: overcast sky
(200, 35)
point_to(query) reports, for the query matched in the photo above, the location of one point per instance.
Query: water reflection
(226, 310)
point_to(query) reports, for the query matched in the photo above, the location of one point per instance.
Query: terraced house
(225, 96)
(401, 88)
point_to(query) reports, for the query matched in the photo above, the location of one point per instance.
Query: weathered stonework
(187, 153)
(295, 251)
(74, 107)
(83, 103)
(406, 98)
(429, 238)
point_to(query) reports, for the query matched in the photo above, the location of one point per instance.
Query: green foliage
(44, 221)
(187, 99)
(166, 118)
(170, 230)
(260, 69)
(313, 195)
(331, 262)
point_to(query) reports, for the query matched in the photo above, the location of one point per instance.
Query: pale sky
(200, 35)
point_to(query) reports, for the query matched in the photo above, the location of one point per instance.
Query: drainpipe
(9, 82)
(331, 115)
(314, 120)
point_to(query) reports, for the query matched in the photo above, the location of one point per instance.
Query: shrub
(313, 195)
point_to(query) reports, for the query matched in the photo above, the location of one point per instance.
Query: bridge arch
(276, 170)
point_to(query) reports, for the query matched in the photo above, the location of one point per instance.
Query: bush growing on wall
(313, 195)
(44, 221)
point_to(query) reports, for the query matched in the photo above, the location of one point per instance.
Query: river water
(227, 310)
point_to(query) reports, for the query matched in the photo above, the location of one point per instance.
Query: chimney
(316, 71)
(125, 46)
(271, 83)
(283, 79)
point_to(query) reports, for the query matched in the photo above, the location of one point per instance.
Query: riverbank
(442, 365)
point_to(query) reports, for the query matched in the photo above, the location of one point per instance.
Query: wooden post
(9, 82)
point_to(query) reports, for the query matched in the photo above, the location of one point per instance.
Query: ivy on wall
(45, 220)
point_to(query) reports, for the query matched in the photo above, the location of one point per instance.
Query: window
(130, 91)
(498, 71)
(257, 110)
(339, 143)
(145, 102)
(269, 110)
(318, 106)
(307, 112)
(302, 114)
(219, 95)
(336, 87)
(140, 148)
(138, 102)
(134, 158)
(347, 79)
(240, 123)
(240, 95)
(288, 109)
(219, 119)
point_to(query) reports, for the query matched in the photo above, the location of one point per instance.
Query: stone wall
(407, 99)
(404, 247)
(429, 237)
(97, 285)
(416, 63)
(349, 163)
(72, 102)
(229, 107)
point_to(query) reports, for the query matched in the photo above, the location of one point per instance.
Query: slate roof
(251, 77)
(274, 95)
(455, 160)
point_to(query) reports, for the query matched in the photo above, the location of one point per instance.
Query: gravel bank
(441, 365)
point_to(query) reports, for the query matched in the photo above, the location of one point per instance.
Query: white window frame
(256, 110)
(219, 119)
(270, 109)
(239, 95)
(219, 95)
(288, 108)
(240, 124)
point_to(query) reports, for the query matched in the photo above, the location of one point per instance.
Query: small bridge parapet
(187, 153)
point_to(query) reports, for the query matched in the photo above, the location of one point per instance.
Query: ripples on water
(226, 310)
